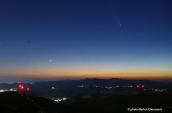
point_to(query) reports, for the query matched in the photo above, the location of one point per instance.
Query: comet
(118, 20)
(114, 14)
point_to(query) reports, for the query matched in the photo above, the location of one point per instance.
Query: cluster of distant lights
(12, 89)
(105, 87)
(58, 100)
(157, 90)
(15, 89)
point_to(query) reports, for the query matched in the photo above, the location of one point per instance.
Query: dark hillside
(121, 103)
(12, 102)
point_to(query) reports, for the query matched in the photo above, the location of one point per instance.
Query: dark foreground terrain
(12, 102)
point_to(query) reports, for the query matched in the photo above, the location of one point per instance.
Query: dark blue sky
(86, 38)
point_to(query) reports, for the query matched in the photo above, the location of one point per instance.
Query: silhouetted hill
(98, 82)
(89, 82)
(122, 102)
(11, 102)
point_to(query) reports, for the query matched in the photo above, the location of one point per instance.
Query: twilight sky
(73, 39)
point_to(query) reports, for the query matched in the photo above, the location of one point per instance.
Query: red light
(28, 89)
(20, 86)
(143, 86)
(137, 85)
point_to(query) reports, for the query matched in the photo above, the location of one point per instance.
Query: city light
(58, 100)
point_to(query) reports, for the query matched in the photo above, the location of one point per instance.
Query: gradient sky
(73, 39)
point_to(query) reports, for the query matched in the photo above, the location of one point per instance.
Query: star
(50, 60)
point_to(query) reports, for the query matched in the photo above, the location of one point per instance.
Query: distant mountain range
(90, 82)
(92, 87)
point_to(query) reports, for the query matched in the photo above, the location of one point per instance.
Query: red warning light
(143, 86)
(28, 89)
(20, 86)
(137, 86)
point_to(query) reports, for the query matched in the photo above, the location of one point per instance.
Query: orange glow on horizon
(149, 76)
